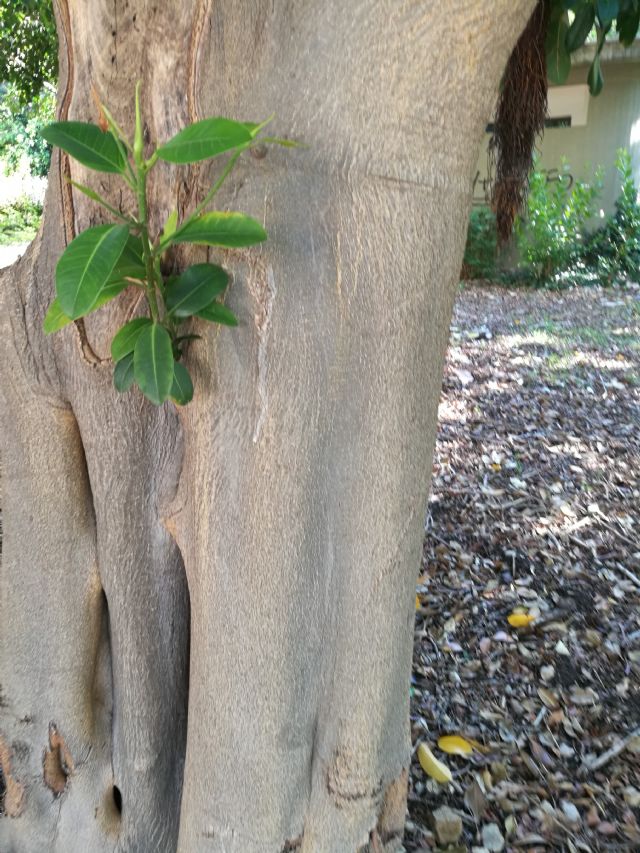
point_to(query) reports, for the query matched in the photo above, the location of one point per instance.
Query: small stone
(607, 828)
(447, 824)
(492, 838)
(561, 649)
(570, 811)
(584, 696)
(547, 673)
(632, 796)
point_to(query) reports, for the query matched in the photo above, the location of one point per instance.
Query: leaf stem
(146, 246)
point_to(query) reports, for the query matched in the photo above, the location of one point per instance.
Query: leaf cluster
(104, 260)
(571, 24)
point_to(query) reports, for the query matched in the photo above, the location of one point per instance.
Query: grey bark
(266, 537)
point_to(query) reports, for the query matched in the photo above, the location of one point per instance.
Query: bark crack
(64, 170)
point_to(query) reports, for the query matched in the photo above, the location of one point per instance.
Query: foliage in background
(21, 126)
(550, 236)
(481, 250)
(19, 221)
(104, 260)
(612, 252)
(555, 242)
(571, 23)
(542, 54)
(28, 46)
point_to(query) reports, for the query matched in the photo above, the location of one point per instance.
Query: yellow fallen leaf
(417, 602)
(454, 745)
(432, 767)
(520, 620)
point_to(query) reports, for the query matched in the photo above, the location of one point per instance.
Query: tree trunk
(251, 558)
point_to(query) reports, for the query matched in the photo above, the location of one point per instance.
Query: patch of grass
(19, 221)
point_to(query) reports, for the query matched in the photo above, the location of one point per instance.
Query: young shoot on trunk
(104, 260)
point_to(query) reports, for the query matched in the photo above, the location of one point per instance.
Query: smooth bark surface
(251, 559)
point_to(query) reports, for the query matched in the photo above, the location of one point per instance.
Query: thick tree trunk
(251, 558)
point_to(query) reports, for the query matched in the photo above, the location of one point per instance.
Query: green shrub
(19, 221)
(612, 252)
(481, 249)
(550, 237)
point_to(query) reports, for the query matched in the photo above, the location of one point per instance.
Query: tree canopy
(28, 46)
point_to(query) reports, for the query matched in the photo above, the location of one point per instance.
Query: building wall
(613, 121)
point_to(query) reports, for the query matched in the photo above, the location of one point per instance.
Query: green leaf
(55, 318)
(218, 313)
(581, 26)
(125, 338)
(204, 139)
(170, 225)
(197, 287)
(627, 24)
(558, 59)
(607, 11)
(130, 263)
(595, 78)
(109, 292)
(86, 266)
(88, 144)
(153, 363)
(123, 373)
(182, 388)
(221, 229)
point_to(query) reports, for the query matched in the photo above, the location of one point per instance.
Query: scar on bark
(389, 829)
(346, 784)
(12, 794)
(57, 762)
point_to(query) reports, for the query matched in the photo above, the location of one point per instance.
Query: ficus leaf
(581, 26)
(231, 230)
(520, 620)
(130, 264)
(455, 745)
(153, 363)
(196, 288)
(182, 388)
(55, 318)
(204, 139)
(438, 770)
(607, 11)
(124, 340)
(170, 225)
(123, 373)
(85, 268)
(218, 313)
(627, 23)
(558, 58)
(87, 144)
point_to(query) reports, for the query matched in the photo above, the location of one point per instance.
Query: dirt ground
(535, 513)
